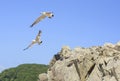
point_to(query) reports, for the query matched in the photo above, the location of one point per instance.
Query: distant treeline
(24, 72)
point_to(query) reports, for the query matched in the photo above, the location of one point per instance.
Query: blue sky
(82, 23)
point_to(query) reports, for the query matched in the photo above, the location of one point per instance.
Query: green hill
(24, 72)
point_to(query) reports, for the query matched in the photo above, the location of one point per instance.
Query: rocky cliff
(97, 63)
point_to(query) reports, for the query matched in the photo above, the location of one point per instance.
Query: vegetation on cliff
(24, 72)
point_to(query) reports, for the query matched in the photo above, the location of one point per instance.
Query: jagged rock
(97, 63)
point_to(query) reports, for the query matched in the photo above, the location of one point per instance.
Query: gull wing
(38, 35)
(29, 46)
(38, 20)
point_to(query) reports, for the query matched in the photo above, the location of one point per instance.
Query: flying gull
(44, 15)
(36, 40)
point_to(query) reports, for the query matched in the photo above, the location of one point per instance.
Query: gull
(44, 15)
(36, 40)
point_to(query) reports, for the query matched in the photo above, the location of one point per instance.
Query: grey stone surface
(97, 63)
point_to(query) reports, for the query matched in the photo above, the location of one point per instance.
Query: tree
(24, 72)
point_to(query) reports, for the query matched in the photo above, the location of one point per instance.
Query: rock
(43, 77)
(97, 63)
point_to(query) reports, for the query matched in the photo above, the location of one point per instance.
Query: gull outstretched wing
(29, 46)
(38, 35)
(38, 20)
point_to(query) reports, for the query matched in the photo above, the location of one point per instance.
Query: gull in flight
(36, 40)
(44, 15)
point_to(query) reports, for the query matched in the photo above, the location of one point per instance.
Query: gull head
(51, 15)
(40, 42)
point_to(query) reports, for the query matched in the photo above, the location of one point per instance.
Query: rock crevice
(97, 63)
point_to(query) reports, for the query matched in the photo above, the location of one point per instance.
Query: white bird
(44, 14)
(36, 40)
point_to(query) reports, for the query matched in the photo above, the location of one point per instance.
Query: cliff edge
(97, 63)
